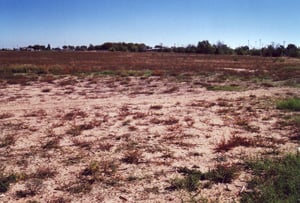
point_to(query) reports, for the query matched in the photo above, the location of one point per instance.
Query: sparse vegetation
(51, 143)
(224, 88)
(32, 187)
(275, 180)
(191, 181)
(80, 187)
(43, 173)
(5, 181)
(7, 140)
(132, 157)
(121, 122)
(235, 141)
(222, 173)
(292, 104)
(6, 115)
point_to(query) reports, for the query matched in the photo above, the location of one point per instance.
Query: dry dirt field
(124, 127)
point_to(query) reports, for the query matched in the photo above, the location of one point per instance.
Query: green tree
(204, 47)
(292, 50)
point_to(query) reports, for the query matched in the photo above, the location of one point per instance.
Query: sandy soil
(109, 139)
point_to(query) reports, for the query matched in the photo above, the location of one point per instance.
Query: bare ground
(110, 139)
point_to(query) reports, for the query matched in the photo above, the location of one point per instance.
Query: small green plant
(292, 104)
(92, 169)
(222, 174)
(224, 88)
(5, 181)
(147, 73)
(275, 180)
(296, 121)
(190, 183)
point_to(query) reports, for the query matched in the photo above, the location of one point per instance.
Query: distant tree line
(203, 47)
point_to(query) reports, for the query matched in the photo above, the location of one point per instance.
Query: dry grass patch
(37, 113)
(74, 114)
(82, 143)
(132, 157)
(7, 140)
(6, 115)
(52, 143)
(156, 107)
(43, 173)
(32, 188)
(236, 141)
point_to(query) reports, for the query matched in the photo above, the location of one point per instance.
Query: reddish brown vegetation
(159, 63)
(235, 141)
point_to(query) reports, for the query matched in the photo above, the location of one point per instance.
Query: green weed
(224, 88)
(275, 180)
(5, 181)
(292, 104)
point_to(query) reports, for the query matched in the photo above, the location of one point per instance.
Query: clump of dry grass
(46, 90)
(82, 143)
(171, 90)
(32, 188)
(37, 113)
(52, 143)
(132, 157)
(6, 115)
(7, 140)
(139, 115)
(74, 114)
(171, 121)
(235, 141)
(156, 107)
(43, 173)
(76, 130)
(245, 124)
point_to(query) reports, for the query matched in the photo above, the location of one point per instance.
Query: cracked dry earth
(109, 139)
